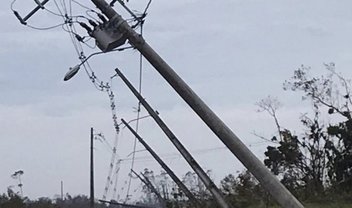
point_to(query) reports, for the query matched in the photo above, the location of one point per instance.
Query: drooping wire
(111, 167)
(80, 4)
(71, 29)
(52, 12)
(102, 139)
(45, 28)
(58, 8)
(147, 7)
(87, 9)
(11, 5)
(64, 10)
(116, 177)
(99, 85)
(68, 27)
(140, 21)
(70, 3)
(63, 4)
(176, 155)
(138, 116)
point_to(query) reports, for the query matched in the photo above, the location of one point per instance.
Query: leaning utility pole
(91, 169)
(147, 182)
(179, 183)
(184, 152)
(224, 133)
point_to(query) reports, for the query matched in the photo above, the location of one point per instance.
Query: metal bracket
(40, 6)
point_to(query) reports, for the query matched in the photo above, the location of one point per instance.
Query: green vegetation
(316, 163)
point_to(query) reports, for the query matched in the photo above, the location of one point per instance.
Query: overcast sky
(231, 52)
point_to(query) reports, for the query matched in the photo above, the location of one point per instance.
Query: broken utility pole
(121, 205)
(184, 152)
(150, 186)
(179, 183)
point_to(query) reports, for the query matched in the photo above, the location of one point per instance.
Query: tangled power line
(73, 25)
(112, 31)
(90, 18)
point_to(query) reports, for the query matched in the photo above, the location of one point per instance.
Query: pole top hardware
(40, 5)
(108, 35)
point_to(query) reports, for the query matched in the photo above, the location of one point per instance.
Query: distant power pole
(91, 169)
(224, 133)
(62, 190)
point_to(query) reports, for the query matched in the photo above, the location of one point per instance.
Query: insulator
(91, 22)
(102, 18)
(79, 38)
(85, 26)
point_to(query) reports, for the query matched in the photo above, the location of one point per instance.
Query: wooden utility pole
(151, 187)
(224, 133)
(62, 190)
(184, 152)
(173, 176)
(91, 168)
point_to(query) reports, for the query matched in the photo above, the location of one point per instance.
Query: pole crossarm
(224, 133)
(40, 5)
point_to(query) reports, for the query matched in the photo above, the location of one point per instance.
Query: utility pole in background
(91, 168)
(224, 133)
(179, 183)
(62, 190)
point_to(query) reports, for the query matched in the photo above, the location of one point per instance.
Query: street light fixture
(73, 70)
